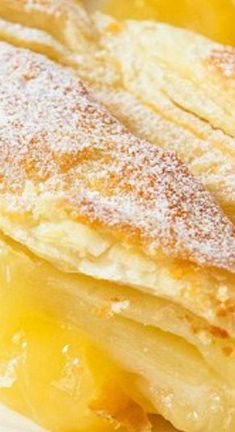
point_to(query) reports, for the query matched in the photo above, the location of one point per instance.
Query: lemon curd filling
(52, 371)
(49, 371)
(213, 18)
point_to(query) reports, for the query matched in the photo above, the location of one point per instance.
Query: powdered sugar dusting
(54, 135)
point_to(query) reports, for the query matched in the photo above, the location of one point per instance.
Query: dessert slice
(80, 190)
(83, 193)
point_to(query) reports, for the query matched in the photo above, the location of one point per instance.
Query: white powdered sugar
(54, 135)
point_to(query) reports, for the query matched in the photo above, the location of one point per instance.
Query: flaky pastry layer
(197, 125)
(80, 190)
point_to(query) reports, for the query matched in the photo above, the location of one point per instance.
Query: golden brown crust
(55, 136)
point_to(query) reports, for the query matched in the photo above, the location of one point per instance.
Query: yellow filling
(213, 18)
(49, 371)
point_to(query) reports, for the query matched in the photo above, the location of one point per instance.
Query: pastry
(117, 265)
(107, 55)
(83, 193)
(185, 90)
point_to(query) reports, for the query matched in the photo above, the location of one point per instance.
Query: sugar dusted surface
(56, 137)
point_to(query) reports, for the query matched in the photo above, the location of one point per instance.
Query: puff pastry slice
(82, 192)
(67, 164)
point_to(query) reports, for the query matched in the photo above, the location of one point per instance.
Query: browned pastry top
(54, 135)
